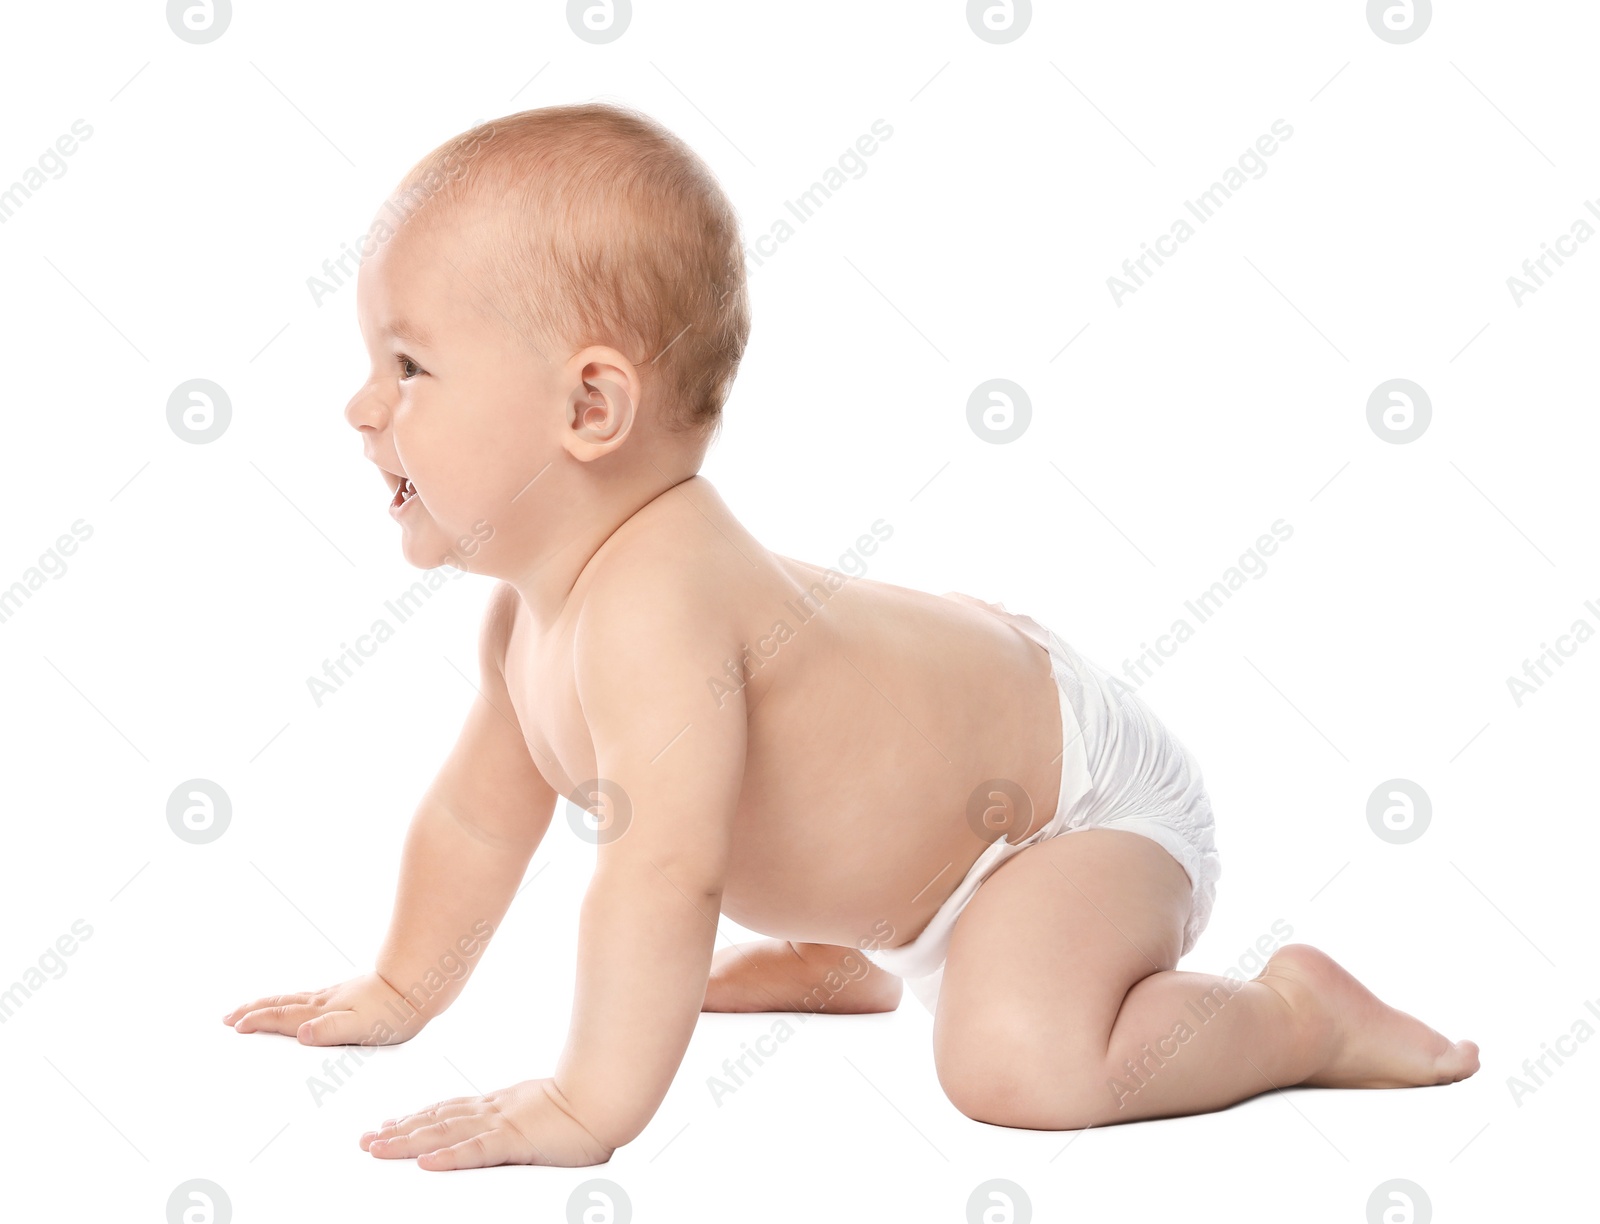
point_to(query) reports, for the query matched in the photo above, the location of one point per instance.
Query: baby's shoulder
(684, 553)
(643, 592)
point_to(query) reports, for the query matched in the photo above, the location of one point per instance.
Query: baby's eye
(408, 368)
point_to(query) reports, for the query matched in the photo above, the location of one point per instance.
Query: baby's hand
(363, 1011)
(528, 1123)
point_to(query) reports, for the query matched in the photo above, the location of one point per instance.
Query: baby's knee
(1002, 1071)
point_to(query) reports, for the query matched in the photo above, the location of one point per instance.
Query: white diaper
(1120, 769)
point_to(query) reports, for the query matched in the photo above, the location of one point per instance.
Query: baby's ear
(601, 409)
(598, 413)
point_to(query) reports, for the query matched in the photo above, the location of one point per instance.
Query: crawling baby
(903, 787)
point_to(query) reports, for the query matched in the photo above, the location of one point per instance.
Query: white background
(1227, 393)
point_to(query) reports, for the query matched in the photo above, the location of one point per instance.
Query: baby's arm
(649, 920)
(643, 656)
(467, 848)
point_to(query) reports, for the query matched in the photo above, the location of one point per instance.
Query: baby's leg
(776, 975)
(1060, 1007)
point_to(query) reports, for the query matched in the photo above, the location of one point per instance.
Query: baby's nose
(366, 409)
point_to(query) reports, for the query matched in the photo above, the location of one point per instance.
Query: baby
(894, 785)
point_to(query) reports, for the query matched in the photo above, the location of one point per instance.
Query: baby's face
(455, 402)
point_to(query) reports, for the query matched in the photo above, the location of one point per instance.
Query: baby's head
(554, 313)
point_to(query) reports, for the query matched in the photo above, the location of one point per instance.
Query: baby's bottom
(1060, 1007)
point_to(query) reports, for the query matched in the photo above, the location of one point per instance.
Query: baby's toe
(1458, 1062)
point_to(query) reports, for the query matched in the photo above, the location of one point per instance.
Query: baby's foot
(1369, 1044)
(776, 975)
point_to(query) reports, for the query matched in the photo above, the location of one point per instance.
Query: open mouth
(403, 494)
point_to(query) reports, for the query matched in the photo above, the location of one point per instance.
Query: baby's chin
(422, 543)
(426, 544)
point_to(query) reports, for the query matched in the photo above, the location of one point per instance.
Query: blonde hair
(602, 227)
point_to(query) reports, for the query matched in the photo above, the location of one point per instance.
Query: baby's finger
(491, 1147)
(430, 1138)
(332, 1028)
(269, 1001)
(412, 1122)
(283, 1019)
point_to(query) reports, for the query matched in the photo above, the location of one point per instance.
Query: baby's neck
(590, 523)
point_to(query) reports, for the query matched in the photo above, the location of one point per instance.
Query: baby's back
(874, 713)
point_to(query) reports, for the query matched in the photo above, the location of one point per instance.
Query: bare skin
(777, 975)
(813, 787)
(1097, 1027)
